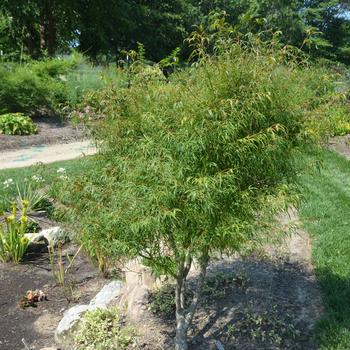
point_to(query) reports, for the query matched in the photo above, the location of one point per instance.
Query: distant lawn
(48, 172)
(326, 216)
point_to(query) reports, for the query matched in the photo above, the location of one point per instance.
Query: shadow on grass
(333, 331)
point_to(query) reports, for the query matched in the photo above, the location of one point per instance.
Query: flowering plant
(13, 242)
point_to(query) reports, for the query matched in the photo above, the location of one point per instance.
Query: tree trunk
(184, 316)
(50, 27)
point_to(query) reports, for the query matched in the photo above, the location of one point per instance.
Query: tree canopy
(102, 28)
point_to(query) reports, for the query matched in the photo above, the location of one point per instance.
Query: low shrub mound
(103, 330)
(17, 124)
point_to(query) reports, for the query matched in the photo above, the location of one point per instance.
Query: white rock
(72, 316)
(109, 292)
(70, 319)
(52, 235)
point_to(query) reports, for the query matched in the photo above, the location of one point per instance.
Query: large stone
(108, 293)
(72, 316)
(65, 329)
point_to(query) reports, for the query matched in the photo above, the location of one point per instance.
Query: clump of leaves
(103, 329)
(17, 124)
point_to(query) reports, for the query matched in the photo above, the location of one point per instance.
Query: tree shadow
(269, 305)
(333, 331)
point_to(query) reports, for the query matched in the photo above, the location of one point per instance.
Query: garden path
(45, 154)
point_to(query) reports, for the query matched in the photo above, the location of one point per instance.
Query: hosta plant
(17, 124)
(13, 242)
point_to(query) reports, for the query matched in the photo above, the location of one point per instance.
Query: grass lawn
(52, 179)
(326, 216)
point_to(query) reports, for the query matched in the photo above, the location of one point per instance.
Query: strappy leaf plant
(13, 242)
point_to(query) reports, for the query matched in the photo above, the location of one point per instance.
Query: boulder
(65, 330)
(107, 294)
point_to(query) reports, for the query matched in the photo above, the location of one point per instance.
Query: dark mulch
(37, 325)
(51, 130)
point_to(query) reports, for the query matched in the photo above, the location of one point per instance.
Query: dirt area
(36, 325)
(273, 303)
(51, 130)
(269, 301)
(341, 144)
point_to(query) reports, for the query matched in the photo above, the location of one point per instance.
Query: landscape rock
(52, 235)
(72, 316)
(65, 329)
(109, 292)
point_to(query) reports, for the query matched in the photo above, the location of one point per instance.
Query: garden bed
(261, 302)
(36, 325)
(52, 130)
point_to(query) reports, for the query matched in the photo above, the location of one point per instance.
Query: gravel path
(45, 154)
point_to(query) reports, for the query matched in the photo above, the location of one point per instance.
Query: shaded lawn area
(52, 177)
(326, 216)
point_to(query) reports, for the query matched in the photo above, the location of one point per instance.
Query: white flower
(61, 171)
(63, 177)
(37, 178)
(7, 183)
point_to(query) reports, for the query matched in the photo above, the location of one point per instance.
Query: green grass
(326, 215)
(47, 172)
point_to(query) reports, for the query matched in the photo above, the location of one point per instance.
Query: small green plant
(17, 124)
(102, 329)
(57, 265)
(13, 242)
(37, 199)
(268, 327)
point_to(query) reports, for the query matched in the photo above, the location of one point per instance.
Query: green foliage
(35, 87)
(103, 29)
(17, 124)
(189, 163)
(102, 329)
(267, 327)
(340, 121)
(13, 243)
(86, 79)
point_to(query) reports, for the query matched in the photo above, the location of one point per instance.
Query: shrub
(102, 329)
(340, 121)
(17, 124)
(36, 87)
(189, 167)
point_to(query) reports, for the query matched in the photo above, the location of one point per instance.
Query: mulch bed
(52, 130)
(36, 325)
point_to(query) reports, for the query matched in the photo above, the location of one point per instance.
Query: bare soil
(52, 130)
(341, 144)
(276, 308)
(37, 325)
